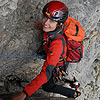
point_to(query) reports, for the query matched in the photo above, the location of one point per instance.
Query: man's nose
(47, 22)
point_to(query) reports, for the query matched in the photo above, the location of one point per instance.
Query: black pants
(50, 86)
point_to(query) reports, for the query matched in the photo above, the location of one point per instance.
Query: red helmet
(56, 11)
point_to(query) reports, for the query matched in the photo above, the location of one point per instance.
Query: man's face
(49, 25)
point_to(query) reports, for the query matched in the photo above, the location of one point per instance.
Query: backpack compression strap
(77, 30)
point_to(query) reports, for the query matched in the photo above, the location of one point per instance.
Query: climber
(55, 13)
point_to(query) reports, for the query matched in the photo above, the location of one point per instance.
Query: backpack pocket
(74, 51)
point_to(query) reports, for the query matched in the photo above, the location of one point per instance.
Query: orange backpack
(75, 35)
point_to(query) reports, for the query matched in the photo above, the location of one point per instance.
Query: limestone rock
(18, 37)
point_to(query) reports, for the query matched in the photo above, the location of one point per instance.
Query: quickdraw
(60, 74)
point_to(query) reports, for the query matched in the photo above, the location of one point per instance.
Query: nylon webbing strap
(51, 38)
(77, 30)
(55, 35)
(63, 42)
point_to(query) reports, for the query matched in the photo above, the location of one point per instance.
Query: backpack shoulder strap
(63, 42)
(55, 36)
(61, 37)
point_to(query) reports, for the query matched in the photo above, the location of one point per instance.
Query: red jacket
(53, 54)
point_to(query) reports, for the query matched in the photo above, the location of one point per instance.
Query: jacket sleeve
(53, 55)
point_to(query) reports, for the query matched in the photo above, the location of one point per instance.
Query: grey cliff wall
(18, 37)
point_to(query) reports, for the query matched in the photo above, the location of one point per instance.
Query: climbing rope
(36, 55)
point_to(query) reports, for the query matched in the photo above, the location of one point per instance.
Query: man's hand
(20, 96)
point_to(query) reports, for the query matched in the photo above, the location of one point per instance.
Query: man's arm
(53, 56)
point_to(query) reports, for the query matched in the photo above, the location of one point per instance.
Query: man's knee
(48, 87)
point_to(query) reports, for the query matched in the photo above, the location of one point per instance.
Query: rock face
(18, 37)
